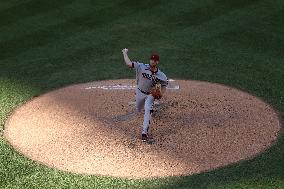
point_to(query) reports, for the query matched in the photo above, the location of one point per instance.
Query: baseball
(125, 50)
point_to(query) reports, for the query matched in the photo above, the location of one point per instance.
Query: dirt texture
(91, 129)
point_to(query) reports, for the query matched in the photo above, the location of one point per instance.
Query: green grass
(49, 44)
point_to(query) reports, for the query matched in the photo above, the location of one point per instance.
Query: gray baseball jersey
(146, 79)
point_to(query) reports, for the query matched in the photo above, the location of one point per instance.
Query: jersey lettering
(150, 77)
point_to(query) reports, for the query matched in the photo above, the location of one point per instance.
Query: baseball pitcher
(151, 84)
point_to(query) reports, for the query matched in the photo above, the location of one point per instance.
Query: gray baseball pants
(146, 102)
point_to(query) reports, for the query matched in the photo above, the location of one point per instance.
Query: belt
(146, 93)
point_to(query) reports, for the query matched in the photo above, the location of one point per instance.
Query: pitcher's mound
(91, 128)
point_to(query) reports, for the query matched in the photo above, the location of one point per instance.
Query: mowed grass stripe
(25, 26)
(6, 4)
(234, 20)
(203, 13)
(40, 37)
(28, 25)
(45, 33)
(190, 36)
(53, 33)
(29, 9)
(203, 47)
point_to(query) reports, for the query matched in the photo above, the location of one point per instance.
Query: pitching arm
(126, 58)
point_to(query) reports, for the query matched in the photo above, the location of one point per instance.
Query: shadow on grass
(29, 9)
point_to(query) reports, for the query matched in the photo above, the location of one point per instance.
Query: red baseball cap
(155, 57)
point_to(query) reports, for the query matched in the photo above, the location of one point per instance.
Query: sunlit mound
(91, 129)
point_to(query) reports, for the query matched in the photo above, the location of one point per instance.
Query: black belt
(146, 93)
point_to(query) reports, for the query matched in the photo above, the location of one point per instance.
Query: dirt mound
(91, 128)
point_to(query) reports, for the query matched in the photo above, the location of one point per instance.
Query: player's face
(153, 63)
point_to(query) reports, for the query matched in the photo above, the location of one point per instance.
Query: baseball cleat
(144, 137)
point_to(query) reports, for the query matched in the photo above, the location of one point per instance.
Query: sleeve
(136, 65)
(164, 81)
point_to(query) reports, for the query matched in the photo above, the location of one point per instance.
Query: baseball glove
(156, 91)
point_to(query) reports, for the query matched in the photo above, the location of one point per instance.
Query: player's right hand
(124, 51)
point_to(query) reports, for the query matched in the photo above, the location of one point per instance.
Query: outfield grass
(45, 45)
